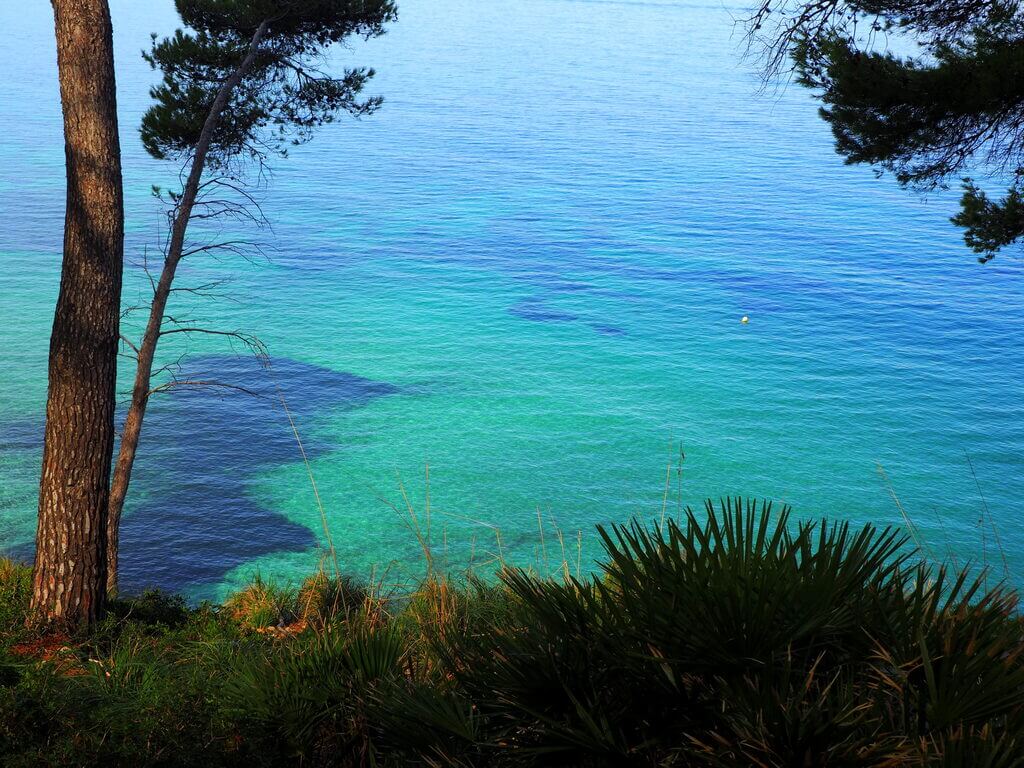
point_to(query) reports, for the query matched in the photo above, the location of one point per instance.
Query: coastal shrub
(126, 698)
(742, 638)
(442, 607)
(323, 599)
(262, 604)
(734, 636)
(154, 608)
(311, 694)
(15, 592)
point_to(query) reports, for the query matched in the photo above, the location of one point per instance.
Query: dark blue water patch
(21, 434)
(779, 291)
(556, 284)
(254, 398)
(535, 309)
(607, 330)
(189, 518)
(193, 519)
(180, 540)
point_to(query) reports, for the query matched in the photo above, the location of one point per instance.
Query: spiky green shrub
(312, 693)
(442, 607)
(140, 702)
(153, 608)
(739, 638)
(140, 689)
(425, 717)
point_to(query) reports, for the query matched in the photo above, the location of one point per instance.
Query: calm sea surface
(527, 272)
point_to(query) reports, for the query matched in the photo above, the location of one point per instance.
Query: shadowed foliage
(731, 637)
(928, 90)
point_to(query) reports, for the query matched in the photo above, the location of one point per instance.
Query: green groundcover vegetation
(736, 638)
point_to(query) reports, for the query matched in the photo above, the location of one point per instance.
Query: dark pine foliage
(928, 90)
(284, 95)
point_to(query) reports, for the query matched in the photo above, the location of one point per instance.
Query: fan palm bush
(740, 638)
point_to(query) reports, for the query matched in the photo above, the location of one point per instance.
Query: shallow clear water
(528, 271)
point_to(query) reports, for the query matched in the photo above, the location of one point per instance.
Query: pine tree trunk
(69, 578)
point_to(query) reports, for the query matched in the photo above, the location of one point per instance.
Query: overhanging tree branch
(951, 105)
(230, 94)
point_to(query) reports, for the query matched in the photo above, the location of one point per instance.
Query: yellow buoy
(744, 319)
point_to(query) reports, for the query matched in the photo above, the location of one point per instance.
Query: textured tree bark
(69, 576)
(132, 429)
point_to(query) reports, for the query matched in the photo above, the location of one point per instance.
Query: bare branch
(129, 343)
(232, 246)
(252, 342)
(177, 383)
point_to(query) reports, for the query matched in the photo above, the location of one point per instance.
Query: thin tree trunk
(151, 337)
(70, 573)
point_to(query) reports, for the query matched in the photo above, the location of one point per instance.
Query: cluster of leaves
(925, 89)
(281, 97)
(735, 638)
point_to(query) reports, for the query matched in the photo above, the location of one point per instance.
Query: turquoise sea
(527, 273)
